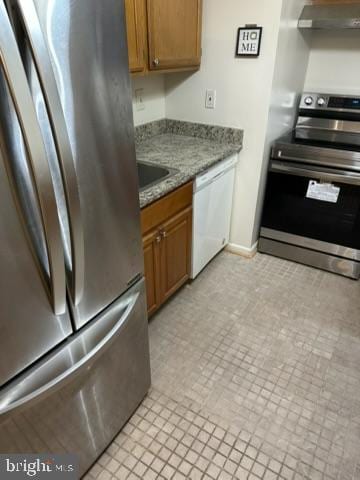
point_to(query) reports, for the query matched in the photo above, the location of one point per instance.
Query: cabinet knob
(156, 62)
(163, 234)
(158, 239)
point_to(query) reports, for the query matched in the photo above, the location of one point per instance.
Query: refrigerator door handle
(71, 360)
(15, 76)
(47, 80)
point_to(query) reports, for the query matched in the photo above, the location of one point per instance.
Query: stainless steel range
(312, 204)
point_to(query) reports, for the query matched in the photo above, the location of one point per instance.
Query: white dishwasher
(212, 205)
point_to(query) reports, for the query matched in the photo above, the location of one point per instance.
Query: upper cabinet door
(174, 33)
(136, 34)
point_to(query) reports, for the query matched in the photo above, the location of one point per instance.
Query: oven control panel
(346, 103)
(323, 101)
(314, 101)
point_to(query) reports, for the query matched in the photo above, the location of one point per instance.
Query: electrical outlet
(210, 99)
(139, 99)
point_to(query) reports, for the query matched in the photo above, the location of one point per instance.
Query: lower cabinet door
(175, 255)
(151, 246)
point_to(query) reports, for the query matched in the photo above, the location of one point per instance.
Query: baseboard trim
(242, 251)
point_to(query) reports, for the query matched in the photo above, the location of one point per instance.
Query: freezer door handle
(20, 93)
(74, 358)
(47, 80)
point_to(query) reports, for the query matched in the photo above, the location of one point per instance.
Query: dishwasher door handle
(209, 181)
(214, 173)
(218, 176)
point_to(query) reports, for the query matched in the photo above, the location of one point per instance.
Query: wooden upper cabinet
(174, 33)
(136, 34)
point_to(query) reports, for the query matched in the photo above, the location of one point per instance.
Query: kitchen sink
(150, 174)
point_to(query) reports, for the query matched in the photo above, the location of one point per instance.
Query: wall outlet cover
(210, 99)
(139, 99)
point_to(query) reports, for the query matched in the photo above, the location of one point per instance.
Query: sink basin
(150, 174)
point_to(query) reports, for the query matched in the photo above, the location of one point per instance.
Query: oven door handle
(328, 125)
(339, 176)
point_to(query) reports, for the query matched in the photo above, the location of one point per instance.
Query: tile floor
(256, 375)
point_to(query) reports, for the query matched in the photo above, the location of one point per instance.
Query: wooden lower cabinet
(167, 240)
(176, 253)
(152, 270)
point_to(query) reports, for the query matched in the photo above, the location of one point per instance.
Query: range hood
(330, 16)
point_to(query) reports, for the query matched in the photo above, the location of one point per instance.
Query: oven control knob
(321, 102)
(309, 101)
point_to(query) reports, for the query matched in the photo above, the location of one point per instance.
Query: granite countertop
(188, 147)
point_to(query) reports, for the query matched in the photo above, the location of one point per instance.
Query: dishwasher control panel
(215, 172)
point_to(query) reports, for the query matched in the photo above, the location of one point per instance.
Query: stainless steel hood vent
(330, 16)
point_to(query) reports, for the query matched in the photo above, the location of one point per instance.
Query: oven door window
(288, 209)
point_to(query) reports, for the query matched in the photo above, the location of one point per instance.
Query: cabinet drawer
(161, 210)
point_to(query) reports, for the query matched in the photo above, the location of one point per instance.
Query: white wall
(154, 98)
(292, 58)
(255, 94)
(243, 88)
(334, 65)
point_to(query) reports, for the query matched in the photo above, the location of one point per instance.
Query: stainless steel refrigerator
(74, 355)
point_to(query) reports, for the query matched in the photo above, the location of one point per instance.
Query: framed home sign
(248, 41)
